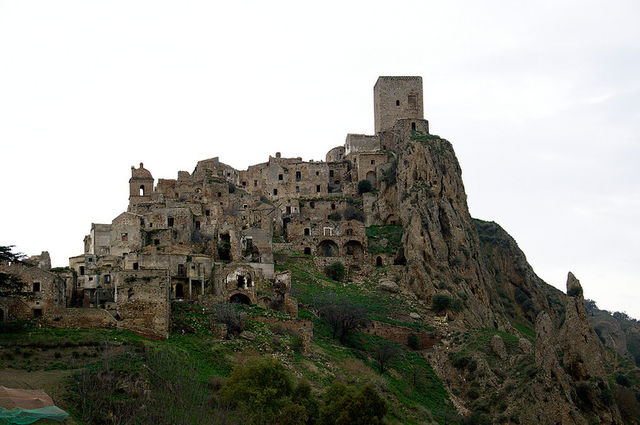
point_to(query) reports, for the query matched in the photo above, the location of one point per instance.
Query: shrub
(335, 216)
(414, 341)
(575, 291)
(352, 213)
(345, 405)
(441, 302)
(622, 380)
(231, 315)
(335, 271)
(364, 186)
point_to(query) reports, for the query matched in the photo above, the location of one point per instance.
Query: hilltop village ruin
(210, 236)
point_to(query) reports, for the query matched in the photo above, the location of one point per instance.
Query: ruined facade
(209, 236)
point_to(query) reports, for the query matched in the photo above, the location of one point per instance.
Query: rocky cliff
(557, 373)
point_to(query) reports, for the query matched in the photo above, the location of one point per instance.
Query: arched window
(141, 190)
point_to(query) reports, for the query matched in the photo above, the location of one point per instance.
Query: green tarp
(20, 416)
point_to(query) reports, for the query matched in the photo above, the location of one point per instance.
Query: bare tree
(385, 353)
(341, 315)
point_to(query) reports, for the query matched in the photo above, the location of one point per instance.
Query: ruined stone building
(209, 236)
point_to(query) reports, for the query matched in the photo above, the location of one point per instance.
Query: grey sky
(541, 101)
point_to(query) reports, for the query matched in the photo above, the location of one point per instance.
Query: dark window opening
(197, 225)
(142, 222)
(307, 231)
(307, 251)
(288, 209)
(244, 183)
(135, 266)
(330, 173)
(312, 204)
(297, 189)
(37, 312)
(241, 282)
(255, 183)
(413, 126)
(36, 286)
(298, 176)
(333, 206)
(179, 290)
(349, 232)
(397, 103)
(81, 270)
(156, 242)
(207, 213)
(181, 272)
(373, 162)
(275, 192)
(219, 194)
(224, 247)
(280, 177)
(317, 188)
(170, 221)
(107, 278)
(379, 261)
(317, 173)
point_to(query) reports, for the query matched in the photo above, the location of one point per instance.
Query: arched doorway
(379, 262)
(239, 299)
(328, 248)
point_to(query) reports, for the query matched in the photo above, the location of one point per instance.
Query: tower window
(307, 232)
(135, 266)
(280, 176)
(373, 162)
(197, 225)
(317, 173)
(255, 183)
(207, 213)
(36, 286)
(397, 103)
(317, 188)
(298, 176)
(297, 189)
(244, 183)
(330, 173)
(275, 192)
(141, 190)
(413, 126)
(170, 221)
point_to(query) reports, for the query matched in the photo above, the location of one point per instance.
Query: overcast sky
(541, 101)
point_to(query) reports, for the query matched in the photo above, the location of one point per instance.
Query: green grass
(392, 234)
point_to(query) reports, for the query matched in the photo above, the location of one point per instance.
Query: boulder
(525, 346)
(389, 286)
(414, 315)
(497, 345)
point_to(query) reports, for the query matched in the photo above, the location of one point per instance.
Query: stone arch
(239, 298)
(355, 249)
(392, 219)
(371, 176)
(328, 248)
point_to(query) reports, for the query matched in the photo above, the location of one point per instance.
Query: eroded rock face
(497, 345)
(582, 349)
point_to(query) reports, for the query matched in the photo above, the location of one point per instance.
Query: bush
(335, 271)
(352, 213)
(414, 341)
(364, 186)
(335, 216)
(441, 302)
(575, 291)
(345, 405)
(231, 315)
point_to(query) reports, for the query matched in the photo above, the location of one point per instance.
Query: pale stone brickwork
(208, 236)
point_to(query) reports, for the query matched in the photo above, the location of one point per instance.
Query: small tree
(342, 316)
(364, 186)
(10, 283)
(231, 315)
(352, 213)
(385, 353)
(345, 405)
(441, 302)
(335, 271)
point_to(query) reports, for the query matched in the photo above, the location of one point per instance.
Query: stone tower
(396, 98)
(140, 184)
